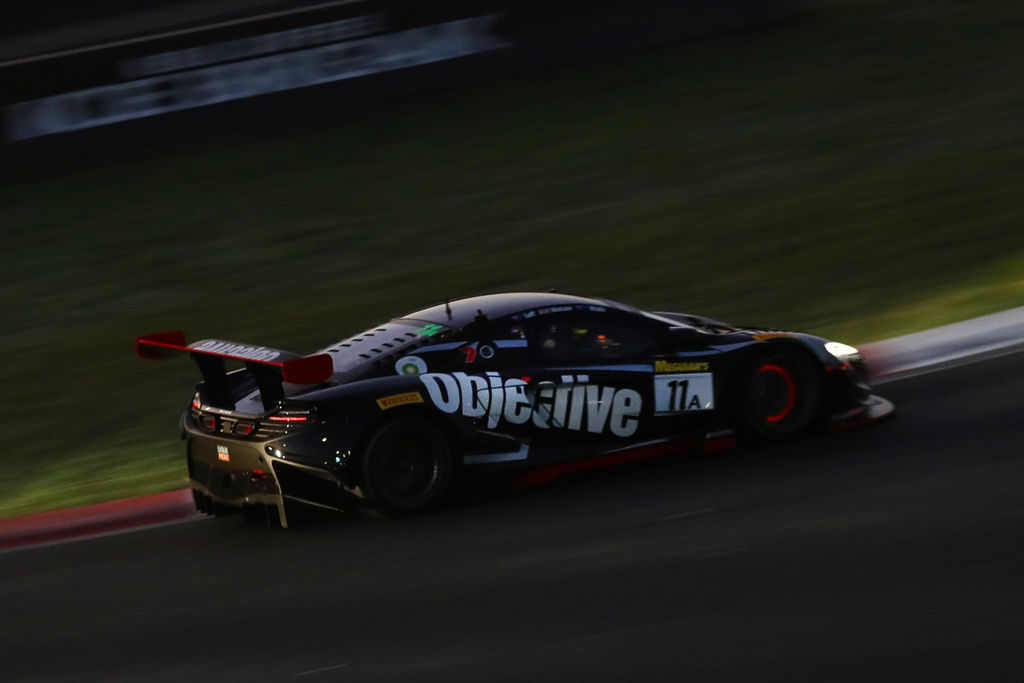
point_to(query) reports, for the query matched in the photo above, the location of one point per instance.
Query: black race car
(545, 383)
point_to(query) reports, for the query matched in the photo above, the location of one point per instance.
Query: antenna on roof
(447, 309)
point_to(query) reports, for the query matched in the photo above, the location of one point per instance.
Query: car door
(688, 382)
(591, 377)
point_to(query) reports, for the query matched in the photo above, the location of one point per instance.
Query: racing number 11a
(677, 394)
(683, 392)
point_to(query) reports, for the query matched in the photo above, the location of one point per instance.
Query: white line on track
(731, 551)
(317, 671)
(687, 515)
(103, 534)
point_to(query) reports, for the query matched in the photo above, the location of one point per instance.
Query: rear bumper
(228, 477)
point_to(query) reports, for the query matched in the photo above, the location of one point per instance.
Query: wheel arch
(443, 423)
(757, 354)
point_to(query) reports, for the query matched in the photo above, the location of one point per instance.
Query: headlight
(841, 351)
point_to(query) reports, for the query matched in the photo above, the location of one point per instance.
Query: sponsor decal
(572, 404)
(683, 392)
(224, 348)
(485, 351)
(222, 454)
(673, 366)
(772, 335)
(525, 315)
(399, 400)
(429, 330)
(410, 365)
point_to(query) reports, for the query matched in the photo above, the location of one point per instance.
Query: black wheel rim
(774, 394)
(781, 395)
(406, 466)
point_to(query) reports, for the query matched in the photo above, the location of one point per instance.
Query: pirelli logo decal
(399, 400)
(672, 366)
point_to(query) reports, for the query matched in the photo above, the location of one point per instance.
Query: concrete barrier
(278, 65)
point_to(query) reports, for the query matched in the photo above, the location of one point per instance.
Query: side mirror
(682, 334)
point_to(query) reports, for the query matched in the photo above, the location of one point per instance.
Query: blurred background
(288, 173)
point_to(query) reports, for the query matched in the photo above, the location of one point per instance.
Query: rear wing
(270, 367)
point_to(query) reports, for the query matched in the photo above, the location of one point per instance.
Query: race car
(534, 384)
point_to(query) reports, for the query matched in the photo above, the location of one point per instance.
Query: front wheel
(407, 467)
(780, 395)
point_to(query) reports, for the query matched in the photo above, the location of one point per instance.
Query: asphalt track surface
(894, 552)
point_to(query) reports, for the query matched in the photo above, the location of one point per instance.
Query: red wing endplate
(294, 368)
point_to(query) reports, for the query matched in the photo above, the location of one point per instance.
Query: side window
(492, 344)
(586, 337)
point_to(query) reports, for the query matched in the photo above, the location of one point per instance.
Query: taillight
(291, 415)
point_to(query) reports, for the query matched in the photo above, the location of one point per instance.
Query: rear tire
(780, 394)
(406, 467)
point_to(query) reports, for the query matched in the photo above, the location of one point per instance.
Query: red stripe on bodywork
(149, 345)
(305, 370)
(308, 370)
(720, 444)
(550, 473)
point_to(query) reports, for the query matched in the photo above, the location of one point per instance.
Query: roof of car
(464, 311)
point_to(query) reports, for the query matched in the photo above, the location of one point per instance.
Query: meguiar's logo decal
(672, 366)
(570, 404)
(399, 400)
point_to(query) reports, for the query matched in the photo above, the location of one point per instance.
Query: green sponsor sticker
(429, 330)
